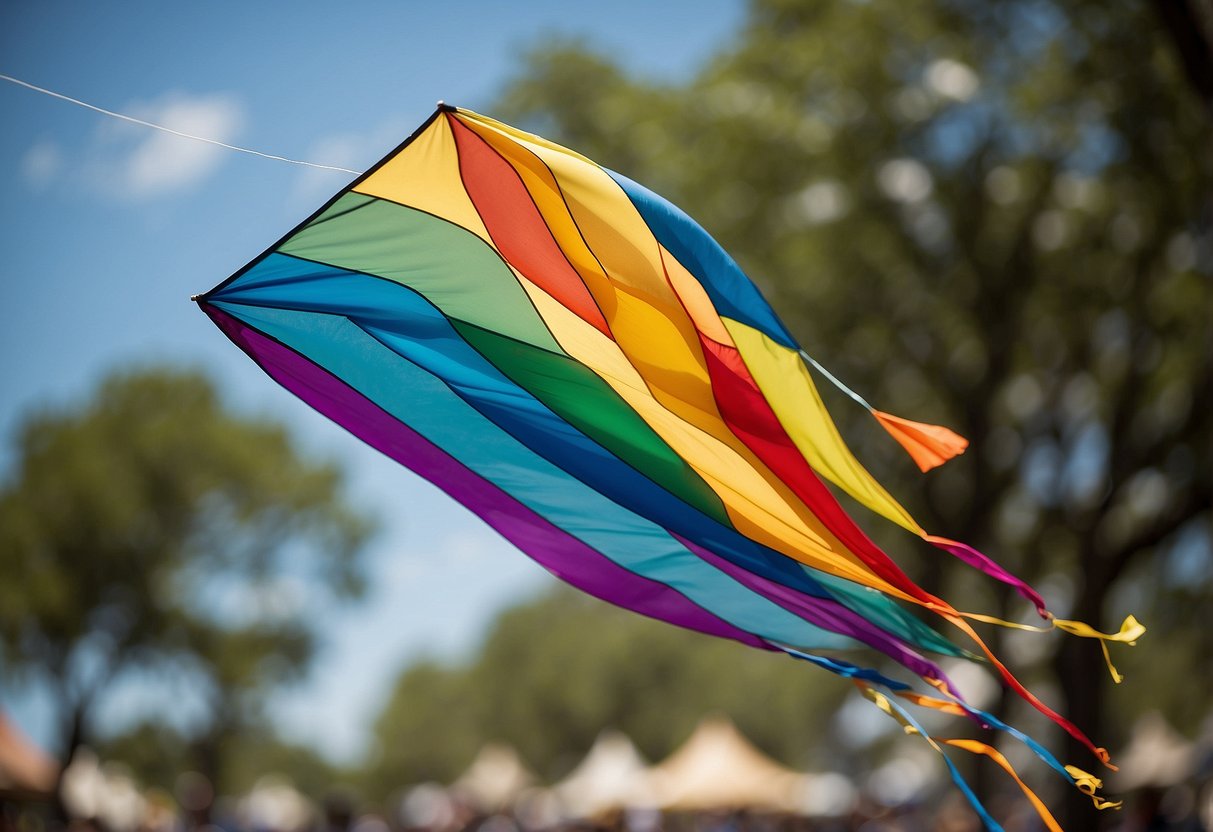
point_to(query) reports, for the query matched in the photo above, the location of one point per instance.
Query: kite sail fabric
(576, 361)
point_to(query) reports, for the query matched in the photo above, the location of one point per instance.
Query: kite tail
(955, 704)
(1130, 630)
(931, 446)
(928, 445)
(984, 563)
(1070, 728)
(975, 747)
(1084, 782)
(911, 726)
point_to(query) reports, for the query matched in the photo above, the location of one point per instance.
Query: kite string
(170, 130)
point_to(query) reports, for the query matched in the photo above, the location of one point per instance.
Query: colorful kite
(580, 364)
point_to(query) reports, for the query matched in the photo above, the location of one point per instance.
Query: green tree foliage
(991, 215)
(157, 756)
(153, 531)
(555, 672)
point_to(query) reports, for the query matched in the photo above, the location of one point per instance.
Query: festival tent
(718, 768)
(494, 780)
(104, 790)
(611, 777)
(25, 769)
(274, 803)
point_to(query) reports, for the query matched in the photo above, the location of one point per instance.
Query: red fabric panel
(517, 227)
(747, 413)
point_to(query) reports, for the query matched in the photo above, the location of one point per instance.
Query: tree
(554, 672)
(154, 531)
(992, 216)
(155, 753)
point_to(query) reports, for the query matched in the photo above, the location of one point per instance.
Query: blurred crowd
(717, 782)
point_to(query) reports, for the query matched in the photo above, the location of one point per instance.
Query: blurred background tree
(556, 671)
(994, 216)
(153, 531)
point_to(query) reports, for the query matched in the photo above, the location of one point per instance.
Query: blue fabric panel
(412, 326)
(734, 295)
(398, 385)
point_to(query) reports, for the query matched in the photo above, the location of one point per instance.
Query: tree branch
(1189, 31)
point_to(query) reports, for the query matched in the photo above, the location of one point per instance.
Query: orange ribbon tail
(929, 445)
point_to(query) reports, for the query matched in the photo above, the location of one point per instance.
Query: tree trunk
(988, 780)
(73, 739)
(1080, 671)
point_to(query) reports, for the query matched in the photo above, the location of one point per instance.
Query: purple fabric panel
(560, 553)
(829, 615)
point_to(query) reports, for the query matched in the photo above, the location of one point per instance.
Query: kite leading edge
(576, 361)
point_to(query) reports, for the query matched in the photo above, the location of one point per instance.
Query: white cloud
(41, 164)
(139, 163)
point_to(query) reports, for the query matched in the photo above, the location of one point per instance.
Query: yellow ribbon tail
(1084, 781)
(1130, 631)
(1089, 784)
(881, 701)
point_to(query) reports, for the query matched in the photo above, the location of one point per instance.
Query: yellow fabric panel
(644, 314)
(612, 227)
(762, 509)
(656, 355)
(425, 176)
(670, 363)
(695, 300)
(520, 136)
(785, 381)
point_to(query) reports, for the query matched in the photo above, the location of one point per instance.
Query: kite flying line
(161, 127)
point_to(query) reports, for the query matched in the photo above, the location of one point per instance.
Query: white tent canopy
(494, 780)
(612, 776)
(718, 768)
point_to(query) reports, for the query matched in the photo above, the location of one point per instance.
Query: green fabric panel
(450, 266)
(585, 401)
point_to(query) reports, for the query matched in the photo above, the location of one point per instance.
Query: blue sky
(108, 228)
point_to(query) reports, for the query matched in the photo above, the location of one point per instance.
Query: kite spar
(577, 362)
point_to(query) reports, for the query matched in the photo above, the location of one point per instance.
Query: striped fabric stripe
(580, 364)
